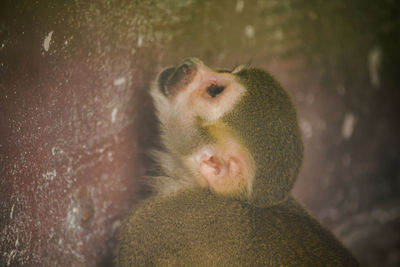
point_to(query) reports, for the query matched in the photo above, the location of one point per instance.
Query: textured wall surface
(76, 120)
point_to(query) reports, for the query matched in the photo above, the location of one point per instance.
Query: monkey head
(234, 132)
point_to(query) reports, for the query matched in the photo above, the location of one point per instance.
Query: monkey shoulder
(187, 228)
(201, 228)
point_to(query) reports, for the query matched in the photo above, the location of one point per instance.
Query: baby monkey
(233, 150)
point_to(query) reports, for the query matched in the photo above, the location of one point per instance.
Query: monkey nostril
(215, 90)
(185, 69)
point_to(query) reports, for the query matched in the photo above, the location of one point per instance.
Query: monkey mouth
(172, 79)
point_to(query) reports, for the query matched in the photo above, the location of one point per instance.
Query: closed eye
(215, 90)
(224, 71)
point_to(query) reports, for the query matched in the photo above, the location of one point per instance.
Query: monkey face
(191, 99)
(198, 91)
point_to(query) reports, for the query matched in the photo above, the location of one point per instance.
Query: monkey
(232, 150)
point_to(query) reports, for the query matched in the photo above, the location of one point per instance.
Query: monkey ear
(213, 168)
(221, 171)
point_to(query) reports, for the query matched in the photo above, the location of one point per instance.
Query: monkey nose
(172, 80)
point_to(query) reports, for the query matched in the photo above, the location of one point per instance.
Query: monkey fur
(233, 150)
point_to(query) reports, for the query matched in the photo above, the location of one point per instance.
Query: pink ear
(222, 170)
(213, 169)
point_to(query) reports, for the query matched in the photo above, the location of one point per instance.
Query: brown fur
(190, 224)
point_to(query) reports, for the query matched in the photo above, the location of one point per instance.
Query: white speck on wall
(12, 211)
(119, 81)
(56, 150)
(47, 40)
(72, 219)
(114, 114)
(100, 150)
(374, 63)
(239, 6)
(11, 256)
(307, 129)
(110, 156)
(49, 175)
(348, 125)
(140, 41)
(249, 31)
(53, 150)
(51, 232)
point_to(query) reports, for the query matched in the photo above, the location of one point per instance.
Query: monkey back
(266, 122)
